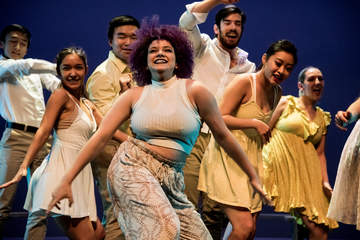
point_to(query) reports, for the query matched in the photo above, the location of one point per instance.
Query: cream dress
(220, 176)
(345, 201)
(71, 136)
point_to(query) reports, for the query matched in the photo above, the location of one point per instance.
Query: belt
(22, 127)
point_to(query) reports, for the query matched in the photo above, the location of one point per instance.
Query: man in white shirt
(217, 61)
(22, 106)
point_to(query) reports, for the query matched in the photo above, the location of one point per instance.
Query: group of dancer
(211, 137)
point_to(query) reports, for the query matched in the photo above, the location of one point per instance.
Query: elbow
(221, 137)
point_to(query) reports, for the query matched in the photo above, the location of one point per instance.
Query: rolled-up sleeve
(189, 23)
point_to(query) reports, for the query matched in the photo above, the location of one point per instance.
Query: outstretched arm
(208, 111)
(54, 107)
(26, 66)
(118, 135)
(118, 114)
(207, 5)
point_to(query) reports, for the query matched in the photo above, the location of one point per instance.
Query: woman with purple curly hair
(166, 111)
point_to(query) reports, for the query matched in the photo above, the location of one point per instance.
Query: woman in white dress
(74, 119)
(344, 205)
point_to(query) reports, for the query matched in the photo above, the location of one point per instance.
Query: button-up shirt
(21, 89)
(212, 63)
(103, 86)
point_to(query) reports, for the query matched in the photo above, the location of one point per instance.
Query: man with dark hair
(22, 106)
(217, 61)
(111, 78)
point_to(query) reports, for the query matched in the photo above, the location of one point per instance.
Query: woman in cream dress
(246, 107)
(345, 201)
(74, 119)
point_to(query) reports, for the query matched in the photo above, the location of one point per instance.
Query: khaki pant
(100, 167)
(13, 147)
(211, 213)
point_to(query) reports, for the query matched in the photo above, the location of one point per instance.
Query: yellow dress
(221, 177)
(292, 171)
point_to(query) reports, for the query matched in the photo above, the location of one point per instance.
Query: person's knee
(243, 230)
(318, 232)
(100, 234)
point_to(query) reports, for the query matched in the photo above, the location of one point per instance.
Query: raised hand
(341, 119)
(22, 172)
(125, 82)
(62, 191)
(229, 1)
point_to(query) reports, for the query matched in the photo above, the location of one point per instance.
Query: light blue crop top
(164, 116)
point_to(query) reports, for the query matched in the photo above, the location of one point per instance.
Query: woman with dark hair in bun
(247, 105)
(166, 111)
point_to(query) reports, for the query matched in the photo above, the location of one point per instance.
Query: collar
(164, 84)
(239, 54)
(120, 64)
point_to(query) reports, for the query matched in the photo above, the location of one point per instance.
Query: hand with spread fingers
(62, 191)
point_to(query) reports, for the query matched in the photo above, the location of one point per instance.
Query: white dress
(71, 136)
(345, 201)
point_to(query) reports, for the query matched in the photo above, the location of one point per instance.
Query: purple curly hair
(150, 31)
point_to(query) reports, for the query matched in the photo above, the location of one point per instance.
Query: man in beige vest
(111, 78)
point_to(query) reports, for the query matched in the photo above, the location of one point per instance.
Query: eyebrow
(18, 38)
(127, 34)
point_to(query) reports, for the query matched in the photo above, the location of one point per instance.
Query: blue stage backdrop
(326, 33)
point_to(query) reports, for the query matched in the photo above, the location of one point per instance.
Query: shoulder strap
(253, 87)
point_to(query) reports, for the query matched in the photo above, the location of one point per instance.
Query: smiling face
(15, 45)
(123, 37)
(278, 66)
(230, 31)
(161, 59)
(313, 84)
(73, 71)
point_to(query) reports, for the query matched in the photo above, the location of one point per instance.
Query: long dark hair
(71, 50)
(279, 46)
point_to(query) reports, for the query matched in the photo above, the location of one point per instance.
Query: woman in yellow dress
(246, 107)
(294, 161)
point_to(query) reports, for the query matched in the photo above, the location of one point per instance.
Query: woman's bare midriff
(168, 153)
